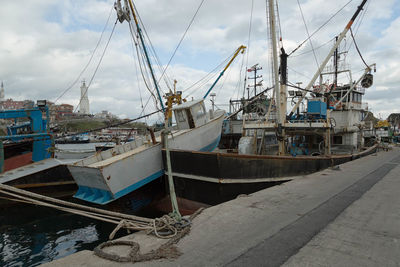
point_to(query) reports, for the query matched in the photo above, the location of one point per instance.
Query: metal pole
(174, 202)
(275, 54)
(1, 156)
(146, 55)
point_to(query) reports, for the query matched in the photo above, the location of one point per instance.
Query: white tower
(2, 92)
(84, 105)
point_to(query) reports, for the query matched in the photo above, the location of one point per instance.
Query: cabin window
(199, 111)
(337, 140)
(180, 116)
(190, 119)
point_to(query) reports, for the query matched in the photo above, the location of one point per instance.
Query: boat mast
(146, 54)
(338, 41)
(281, 110)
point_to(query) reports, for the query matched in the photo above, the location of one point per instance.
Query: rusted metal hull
(213, 178)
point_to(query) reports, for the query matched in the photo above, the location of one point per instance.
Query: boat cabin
(190, 114)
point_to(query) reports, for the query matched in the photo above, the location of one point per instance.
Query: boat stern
(91, 185)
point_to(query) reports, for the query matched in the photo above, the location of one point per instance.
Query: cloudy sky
(45, 45)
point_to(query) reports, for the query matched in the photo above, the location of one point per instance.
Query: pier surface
(346, 216)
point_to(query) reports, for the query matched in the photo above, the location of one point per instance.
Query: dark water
(32, 235)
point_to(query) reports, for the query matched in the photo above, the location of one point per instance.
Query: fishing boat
(26, 157)
(116, 172)
(328, 132)
(111, 174)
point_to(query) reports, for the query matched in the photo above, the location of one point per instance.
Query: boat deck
(33, 168)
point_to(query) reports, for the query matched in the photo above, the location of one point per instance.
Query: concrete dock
(346, 216)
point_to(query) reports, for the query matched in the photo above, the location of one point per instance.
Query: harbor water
(32, 235)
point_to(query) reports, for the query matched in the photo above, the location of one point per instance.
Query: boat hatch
(190, 114)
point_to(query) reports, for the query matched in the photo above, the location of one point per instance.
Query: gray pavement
(345, 217)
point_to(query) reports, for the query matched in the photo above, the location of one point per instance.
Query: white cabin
(190, 114)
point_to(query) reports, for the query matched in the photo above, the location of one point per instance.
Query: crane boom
(240, 49)
(339, 40)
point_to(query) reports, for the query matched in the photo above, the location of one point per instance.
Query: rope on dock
(167, 250)
(164, 227)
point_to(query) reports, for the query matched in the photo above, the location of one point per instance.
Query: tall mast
(335, 64)
(274, 53)
(279, 96)
(146, 54)
(338, 41)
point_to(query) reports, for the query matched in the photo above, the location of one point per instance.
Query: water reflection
(32, 236)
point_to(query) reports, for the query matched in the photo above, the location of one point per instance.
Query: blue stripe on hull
(211, 146)
(103, 197)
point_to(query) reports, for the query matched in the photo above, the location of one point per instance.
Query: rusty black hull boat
(213, 178)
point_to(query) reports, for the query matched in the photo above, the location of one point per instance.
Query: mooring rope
(167, 250)
(164, 227)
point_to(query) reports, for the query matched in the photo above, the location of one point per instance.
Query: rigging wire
(358, 24)
(208, 76)
(358, 50)
(248, 46)
(223, 82)
(309, 78)
(319, 28)
(308, 33)
(180, 41)
(142, 62)
(316, 48)
(239, 80)
(167, 80)
(137, 75)
(90, 59)
(98, 65)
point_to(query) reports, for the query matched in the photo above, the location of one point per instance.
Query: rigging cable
(137, 75)
(180, 41)
(320, 27)
(359, 22)
(98, 65)
(90, 59)
(225, 78)
(358, 50)
(208, 76)
(238, 85)
(248, 47)
(308, 33)
(167, 80)
(142, 61)
(316, 48)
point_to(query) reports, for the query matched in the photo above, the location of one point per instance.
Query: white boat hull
(116, 172)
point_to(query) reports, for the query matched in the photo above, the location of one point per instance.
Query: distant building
(104, 114)
(59, 112)
(13, 104)
(84, 102)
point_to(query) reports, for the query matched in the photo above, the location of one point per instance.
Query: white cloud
(46, 44)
